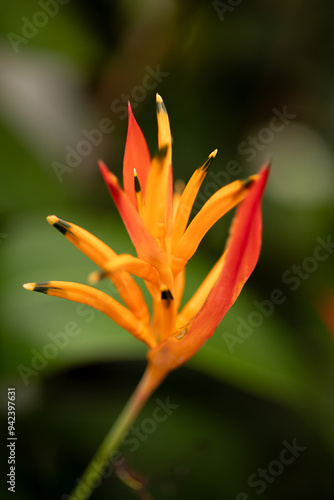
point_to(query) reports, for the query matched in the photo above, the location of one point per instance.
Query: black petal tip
(62, 226)
(42, 287)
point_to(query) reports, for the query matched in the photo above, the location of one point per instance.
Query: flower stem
(91, 477)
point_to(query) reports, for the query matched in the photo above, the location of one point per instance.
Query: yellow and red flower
(157, 221)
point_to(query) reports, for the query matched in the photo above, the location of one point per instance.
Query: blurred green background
(225, 71)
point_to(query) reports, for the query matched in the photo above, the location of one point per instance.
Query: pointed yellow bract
(187, 199)
(164, 133)
(156, 195)
(101, 254)
(98, 300)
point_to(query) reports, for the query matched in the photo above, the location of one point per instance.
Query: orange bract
(157, 223)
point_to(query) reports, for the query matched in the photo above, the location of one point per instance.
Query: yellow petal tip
(213, 154)
(94, 277)
(52, 219)
(29, 286)
(158, 98)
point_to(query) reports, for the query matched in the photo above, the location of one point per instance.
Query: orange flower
(157, 221)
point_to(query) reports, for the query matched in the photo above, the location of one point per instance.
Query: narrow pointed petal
(156, 195)
(136, 156)
(100, 253)
(97, 299)
(165, 141)
(241, 257)
(89, 244)
(187, 199)
(218, 205)
(164, 133)
(146, 246)
(169, 210)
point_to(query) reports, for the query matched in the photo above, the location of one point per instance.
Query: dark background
(226, 72)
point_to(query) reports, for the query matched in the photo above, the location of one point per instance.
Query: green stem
(91, 478)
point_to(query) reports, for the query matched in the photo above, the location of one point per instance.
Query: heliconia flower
(157, 221)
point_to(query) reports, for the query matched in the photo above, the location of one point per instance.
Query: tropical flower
(157, 221)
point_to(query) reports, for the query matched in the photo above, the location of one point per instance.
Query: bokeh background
(225, 70)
